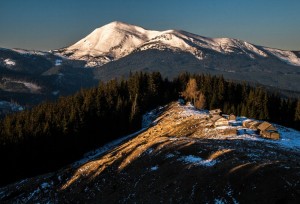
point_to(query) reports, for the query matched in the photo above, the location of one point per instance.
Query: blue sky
(50, 24)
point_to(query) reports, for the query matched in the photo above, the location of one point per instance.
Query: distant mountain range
(116, 49)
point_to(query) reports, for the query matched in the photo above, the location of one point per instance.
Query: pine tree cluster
(54, 134)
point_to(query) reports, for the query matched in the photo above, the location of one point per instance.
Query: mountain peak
(109, 42)
(117, 25)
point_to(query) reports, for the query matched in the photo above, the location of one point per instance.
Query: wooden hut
(274, 135)
(267, 130)
(266, 126)
(251, 124)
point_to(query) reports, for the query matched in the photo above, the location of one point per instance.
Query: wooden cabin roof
(264, 126)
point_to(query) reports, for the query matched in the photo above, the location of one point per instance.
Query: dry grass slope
(180, 158)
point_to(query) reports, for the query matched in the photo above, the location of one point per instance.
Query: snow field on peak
(116, 40)
(284, 55)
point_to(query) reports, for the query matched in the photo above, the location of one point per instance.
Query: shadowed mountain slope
(178, 157)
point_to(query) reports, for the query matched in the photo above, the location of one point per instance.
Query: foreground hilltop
(178, 157)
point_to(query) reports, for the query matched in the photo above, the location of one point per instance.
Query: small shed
(215, 112)
(219, 121)
(231, 117)
(266, 126)
(267, 130)
(251, 124)
(274, 135)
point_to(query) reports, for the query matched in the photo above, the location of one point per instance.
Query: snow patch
(198, 160)
(58, 62)
(45, 185)
(170, 155)
(33, 87)
(154, 168)
(9, 62)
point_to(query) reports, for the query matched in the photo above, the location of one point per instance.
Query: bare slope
(179, 158)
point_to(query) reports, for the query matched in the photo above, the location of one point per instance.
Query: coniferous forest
(54, 134)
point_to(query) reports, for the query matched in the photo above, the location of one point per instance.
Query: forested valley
(54, 134)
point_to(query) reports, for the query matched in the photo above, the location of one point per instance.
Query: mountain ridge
(117, 49)
(117, 39)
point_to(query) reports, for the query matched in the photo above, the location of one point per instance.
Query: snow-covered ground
(284, 55)
(154, 168)
(289, 138)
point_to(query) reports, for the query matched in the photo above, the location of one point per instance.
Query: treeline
(244, 100)
(54, 134)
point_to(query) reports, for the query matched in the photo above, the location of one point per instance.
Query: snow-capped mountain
(110, 42)
(116, 49)
(116, 40)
